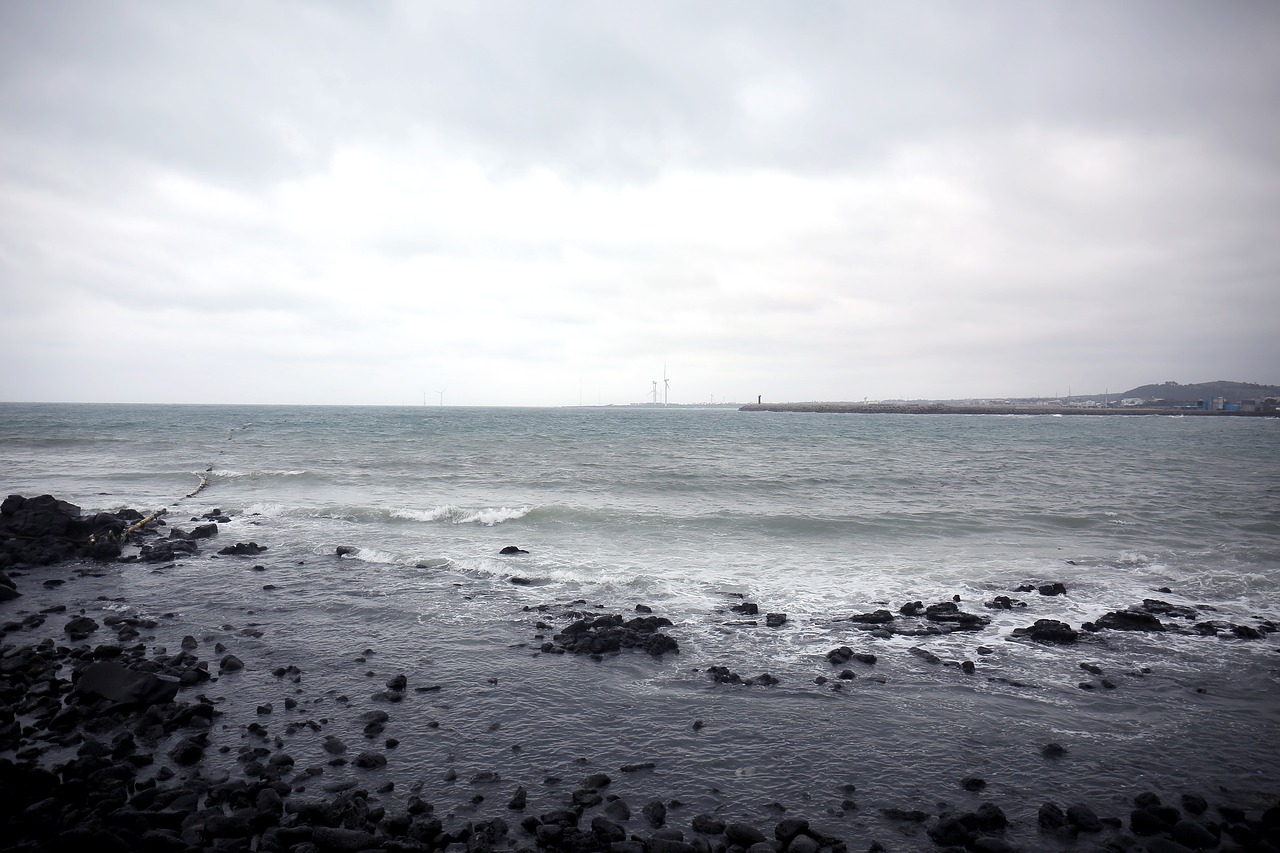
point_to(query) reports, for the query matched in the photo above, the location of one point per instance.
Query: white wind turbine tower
(666, 385)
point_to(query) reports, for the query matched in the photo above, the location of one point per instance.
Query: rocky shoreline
(106, 741)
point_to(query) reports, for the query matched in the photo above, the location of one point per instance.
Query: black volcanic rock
(123, 686)
(1048, 631)
(610, 635)
(875, 617)
(1129, 620)
(44, 530)
(244, 549)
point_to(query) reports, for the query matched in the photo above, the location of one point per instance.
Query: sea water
(691, 511)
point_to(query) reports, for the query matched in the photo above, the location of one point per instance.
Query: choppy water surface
(817, 516)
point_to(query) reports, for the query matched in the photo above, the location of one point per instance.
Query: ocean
(691, 511)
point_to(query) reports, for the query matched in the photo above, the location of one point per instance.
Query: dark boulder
(949, 613)
(1129, 620)
(123, 686)
(1048, 631)
(243, 549)
(167, 550)
(875, 617)
(81, 627)
(203, 531)
(512, 549)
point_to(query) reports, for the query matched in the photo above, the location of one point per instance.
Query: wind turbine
(666, 385)
(441, 393)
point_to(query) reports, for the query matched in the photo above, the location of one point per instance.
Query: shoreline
(948, 409)
(212, 767)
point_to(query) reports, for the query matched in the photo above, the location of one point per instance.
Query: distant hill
(1175, 393)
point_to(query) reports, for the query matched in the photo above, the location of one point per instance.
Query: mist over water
(816, 516)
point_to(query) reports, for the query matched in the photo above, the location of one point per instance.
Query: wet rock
(926, 655)
(1083, 818)
(512, 549)
(746, 608)
(189, 750)
(744, 835)
(789, 828)
(1129, 620)
(1194, 834)
(1052, 589)
(610, 634)
(839, 655)
(203, 531)
(1053, 750)
(230, 663)
(123, 686)
(876, 617)
(80, 627)
(370, 760)
(639, 765)
(167, 550)
(707, 824)
(340, 840)
(245, 549)
(1164, 608)
(775, 620)
(1194, 804)
(949, 613)
(606, 830)
(1049, 631)
(1051, 817)
(1004, 602)
(655, 812)
(518, 799)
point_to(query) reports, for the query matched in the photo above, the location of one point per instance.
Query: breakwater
(975, 409)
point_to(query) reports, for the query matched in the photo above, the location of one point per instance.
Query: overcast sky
(547, 203)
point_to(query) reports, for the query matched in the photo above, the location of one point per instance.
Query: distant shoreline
(948, 409)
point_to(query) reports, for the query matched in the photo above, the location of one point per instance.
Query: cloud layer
(545, 204)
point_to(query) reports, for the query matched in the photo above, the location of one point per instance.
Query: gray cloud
(833, 200)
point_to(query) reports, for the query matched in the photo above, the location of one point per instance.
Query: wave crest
(488, 516)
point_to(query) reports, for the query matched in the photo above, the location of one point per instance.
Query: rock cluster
(914, 619)
(44, 530)
(610, 634)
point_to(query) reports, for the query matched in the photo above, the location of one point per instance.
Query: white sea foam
(488, 516)
(491, 516)
(434, 514)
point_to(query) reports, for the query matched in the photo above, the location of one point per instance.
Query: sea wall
(950, 409)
